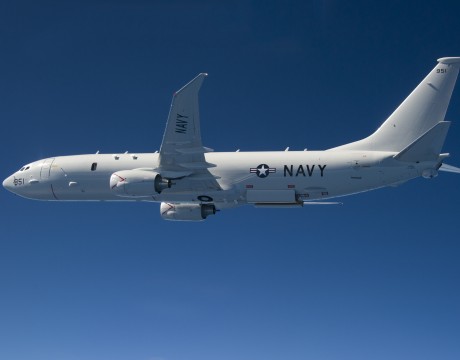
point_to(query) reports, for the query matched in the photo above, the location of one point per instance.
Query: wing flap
(197, 150)
(197, 165)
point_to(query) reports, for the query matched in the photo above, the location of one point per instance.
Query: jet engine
(186, 212)
(138, 183)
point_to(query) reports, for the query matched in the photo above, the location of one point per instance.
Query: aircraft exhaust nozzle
(429, 173)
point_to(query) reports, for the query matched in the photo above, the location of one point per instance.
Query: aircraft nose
(7, 183)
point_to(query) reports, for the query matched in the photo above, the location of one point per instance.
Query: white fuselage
(309, 175)
(192, 182)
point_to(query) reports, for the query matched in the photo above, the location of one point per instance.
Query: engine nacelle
(138, 183)
(186, 212)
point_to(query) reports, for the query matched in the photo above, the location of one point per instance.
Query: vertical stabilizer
(425, 107)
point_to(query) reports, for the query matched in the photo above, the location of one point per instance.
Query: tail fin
(422, 110)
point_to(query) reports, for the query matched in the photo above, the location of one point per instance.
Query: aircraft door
(46, 168)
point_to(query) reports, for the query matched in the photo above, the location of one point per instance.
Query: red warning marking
(171, 207)
(121, 180)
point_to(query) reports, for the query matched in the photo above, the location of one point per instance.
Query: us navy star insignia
(263, 170)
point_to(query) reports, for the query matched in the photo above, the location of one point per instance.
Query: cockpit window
(93, 166)
(22, 169)
(27, 168)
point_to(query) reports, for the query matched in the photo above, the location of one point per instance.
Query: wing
(181, 152)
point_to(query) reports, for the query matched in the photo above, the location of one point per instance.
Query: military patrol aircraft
(192, 182)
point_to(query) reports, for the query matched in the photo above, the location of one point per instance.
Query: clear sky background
(376, 278)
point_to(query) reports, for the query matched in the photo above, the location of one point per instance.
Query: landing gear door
(46, 168)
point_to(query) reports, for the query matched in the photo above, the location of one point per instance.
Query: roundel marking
(263, 170)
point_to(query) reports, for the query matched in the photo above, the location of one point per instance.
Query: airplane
(193, 182)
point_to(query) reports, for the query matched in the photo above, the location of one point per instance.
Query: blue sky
(378, 277)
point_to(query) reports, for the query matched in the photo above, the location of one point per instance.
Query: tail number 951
(18, 182)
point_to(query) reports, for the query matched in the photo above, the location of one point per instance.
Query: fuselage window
(93, 166)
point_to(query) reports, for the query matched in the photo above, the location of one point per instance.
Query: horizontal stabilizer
(428, 146)
(449, 168)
